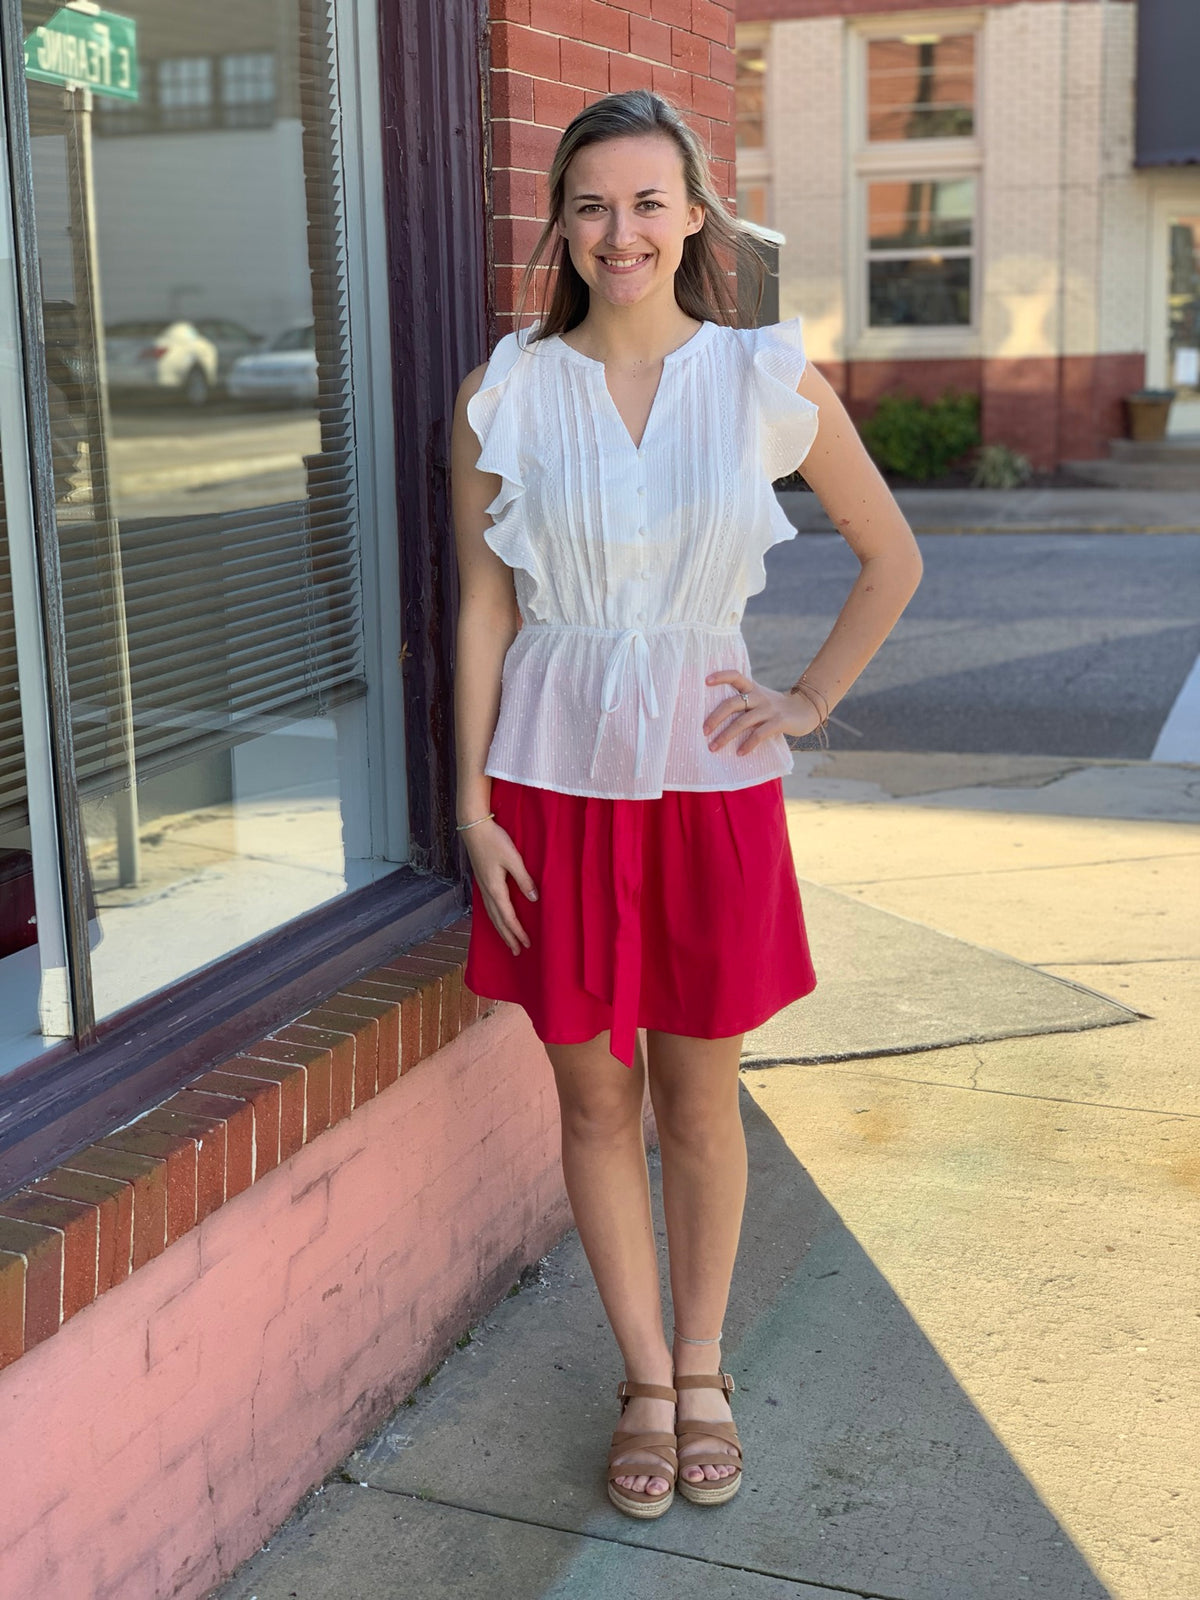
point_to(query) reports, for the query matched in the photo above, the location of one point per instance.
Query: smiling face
(626, 215)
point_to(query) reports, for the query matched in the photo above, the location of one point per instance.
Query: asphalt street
(1025, 644)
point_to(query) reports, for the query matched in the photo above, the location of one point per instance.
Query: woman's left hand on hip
(753, 714)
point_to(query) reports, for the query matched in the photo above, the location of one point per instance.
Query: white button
(642, 574)
(641, 488)
(641, 533)
(733, 616)
(641, 616)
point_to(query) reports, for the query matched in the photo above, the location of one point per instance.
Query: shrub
(998, 467)
(922, 441)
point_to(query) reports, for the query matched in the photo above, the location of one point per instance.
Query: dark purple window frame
(433, 67)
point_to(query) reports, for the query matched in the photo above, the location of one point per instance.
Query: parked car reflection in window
(151, 356)
(287, 370)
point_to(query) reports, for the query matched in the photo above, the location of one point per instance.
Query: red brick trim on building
(108, 1209)
(804, 10)
(1047, 408)
(550, 58)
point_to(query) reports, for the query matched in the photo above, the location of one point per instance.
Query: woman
(619, 770)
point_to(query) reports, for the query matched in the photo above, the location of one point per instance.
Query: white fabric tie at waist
(631, 645)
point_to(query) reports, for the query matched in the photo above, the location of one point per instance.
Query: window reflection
(194, 279)
(921, 86)
(750, 95)
(920, 235)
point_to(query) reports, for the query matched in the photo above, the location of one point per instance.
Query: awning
(1168, 67)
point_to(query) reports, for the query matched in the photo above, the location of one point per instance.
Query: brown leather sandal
(717, 1491)
(635, 1502)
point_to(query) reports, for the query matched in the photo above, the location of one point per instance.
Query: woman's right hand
(494, 859)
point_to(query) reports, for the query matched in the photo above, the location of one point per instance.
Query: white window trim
(50, 951)
(915, 159)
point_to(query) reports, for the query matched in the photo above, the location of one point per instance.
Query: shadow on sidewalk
(869, 1470)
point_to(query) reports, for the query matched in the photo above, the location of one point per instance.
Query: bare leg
(694, 1088)
(604, 1165)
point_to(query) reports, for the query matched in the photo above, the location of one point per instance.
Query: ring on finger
(745, 698)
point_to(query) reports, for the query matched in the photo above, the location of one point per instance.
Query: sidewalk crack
(1012, 1094)
(801, 1585)
(1004, 872)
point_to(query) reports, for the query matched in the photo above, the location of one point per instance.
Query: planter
(1146, 413)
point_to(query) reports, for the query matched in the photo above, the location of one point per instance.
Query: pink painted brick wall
(169, 1427)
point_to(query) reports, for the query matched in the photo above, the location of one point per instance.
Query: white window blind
(234, 620)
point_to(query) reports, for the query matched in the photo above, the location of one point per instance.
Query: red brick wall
(550, 58)
(1055, 413)
(1029, 404)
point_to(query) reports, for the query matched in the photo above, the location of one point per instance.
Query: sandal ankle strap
(707, 1380)
(628, 1390)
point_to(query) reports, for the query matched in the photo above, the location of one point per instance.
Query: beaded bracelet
(459, 826)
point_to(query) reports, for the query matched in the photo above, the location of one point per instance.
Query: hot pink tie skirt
(681, 914)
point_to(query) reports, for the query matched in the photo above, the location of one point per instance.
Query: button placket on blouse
(640, 512)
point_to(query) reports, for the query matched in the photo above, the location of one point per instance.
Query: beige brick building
(971, 196)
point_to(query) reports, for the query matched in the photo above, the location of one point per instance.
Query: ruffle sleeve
(787, 421)
(493, 415)
(787, 426)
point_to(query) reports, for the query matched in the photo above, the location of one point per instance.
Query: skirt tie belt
(611, 908)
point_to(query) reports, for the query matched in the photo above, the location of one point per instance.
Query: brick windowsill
(111, 1207)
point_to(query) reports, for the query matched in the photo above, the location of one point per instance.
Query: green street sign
(96, 49)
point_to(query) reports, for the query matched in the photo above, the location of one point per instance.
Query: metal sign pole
(81, 190)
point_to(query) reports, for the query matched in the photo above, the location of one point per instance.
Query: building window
(917, 165)
(752, 125)
(754, 203)
(750, 96)
(248, 90)
(185, 94)
(921, 86)
(920, 235)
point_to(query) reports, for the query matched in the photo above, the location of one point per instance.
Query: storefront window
(193, 264)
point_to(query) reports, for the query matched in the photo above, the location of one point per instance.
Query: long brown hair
(702, 284)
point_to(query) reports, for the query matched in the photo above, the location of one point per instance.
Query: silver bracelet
(459, 826)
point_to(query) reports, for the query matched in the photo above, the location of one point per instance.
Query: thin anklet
(683, 1339)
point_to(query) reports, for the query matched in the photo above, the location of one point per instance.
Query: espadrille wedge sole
(717, 1491)
(634, 1503)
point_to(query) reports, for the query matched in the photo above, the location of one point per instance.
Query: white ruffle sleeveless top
(632, 565)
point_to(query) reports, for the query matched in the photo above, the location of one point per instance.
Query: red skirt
(681, 914)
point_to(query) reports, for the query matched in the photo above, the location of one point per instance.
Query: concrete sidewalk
(963, 1325)
(1079, 510)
